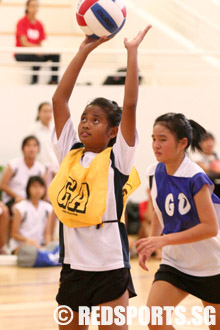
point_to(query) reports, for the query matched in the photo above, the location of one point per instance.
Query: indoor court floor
(27, 297)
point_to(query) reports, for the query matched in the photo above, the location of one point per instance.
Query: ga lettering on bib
(78, 194)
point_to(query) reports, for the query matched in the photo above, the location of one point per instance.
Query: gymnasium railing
(157, 67)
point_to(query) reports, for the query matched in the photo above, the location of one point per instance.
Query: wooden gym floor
(27, 297)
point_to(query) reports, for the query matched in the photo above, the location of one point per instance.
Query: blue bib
(175, 199)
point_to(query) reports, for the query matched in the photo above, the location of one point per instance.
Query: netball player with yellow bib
(90, 190)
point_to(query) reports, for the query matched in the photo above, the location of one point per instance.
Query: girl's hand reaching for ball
(90, 43)
(137, 40)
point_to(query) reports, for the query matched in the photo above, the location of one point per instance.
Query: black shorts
(10, 204)
(83, 288)
(206, 288)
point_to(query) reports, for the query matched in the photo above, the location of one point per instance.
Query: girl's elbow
(57, 98)
(58, 102)
(214, 230)
(54, 99)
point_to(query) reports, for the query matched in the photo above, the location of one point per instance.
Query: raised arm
(128, 121)
(65, 87)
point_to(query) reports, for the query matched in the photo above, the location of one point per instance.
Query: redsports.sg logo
(156, 315)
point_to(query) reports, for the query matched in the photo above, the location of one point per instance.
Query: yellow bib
(78, 194)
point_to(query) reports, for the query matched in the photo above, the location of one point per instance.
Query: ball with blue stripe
(99, 18)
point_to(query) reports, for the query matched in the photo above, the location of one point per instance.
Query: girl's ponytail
(198, 134)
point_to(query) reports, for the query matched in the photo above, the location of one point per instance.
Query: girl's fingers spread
(144, 32)
(137, 40)
(141, 34)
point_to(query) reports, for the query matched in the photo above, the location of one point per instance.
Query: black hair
(112, 110)
(32, 180)
(182, 127)
(27, 139)
(27, 4)
(40, 107)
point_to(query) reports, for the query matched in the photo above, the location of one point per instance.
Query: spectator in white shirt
(18, 171)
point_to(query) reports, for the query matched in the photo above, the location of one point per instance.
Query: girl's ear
(112, 132)
(184, 142)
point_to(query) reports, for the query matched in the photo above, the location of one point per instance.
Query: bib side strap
(108, 221)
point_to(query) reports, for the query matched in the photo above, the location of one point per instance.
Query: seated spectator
(42, 129)
(30, 33)
(4, 228)
(31, 218)
(208, 160)
(18, 171)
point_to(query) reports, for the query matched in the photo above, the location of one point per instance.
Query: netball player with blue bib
(185, 223)
(90, 189)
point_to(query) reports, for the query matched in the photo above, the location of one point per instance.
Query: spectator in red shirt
(30, 33)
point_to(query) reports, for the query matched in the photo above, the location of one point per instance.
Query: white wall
(19, 108)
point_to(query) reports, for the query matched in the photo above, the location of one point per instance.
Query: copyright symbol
(63, 315)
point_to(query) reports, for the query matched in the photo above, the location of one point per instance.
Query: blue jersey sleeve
(198, 181)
